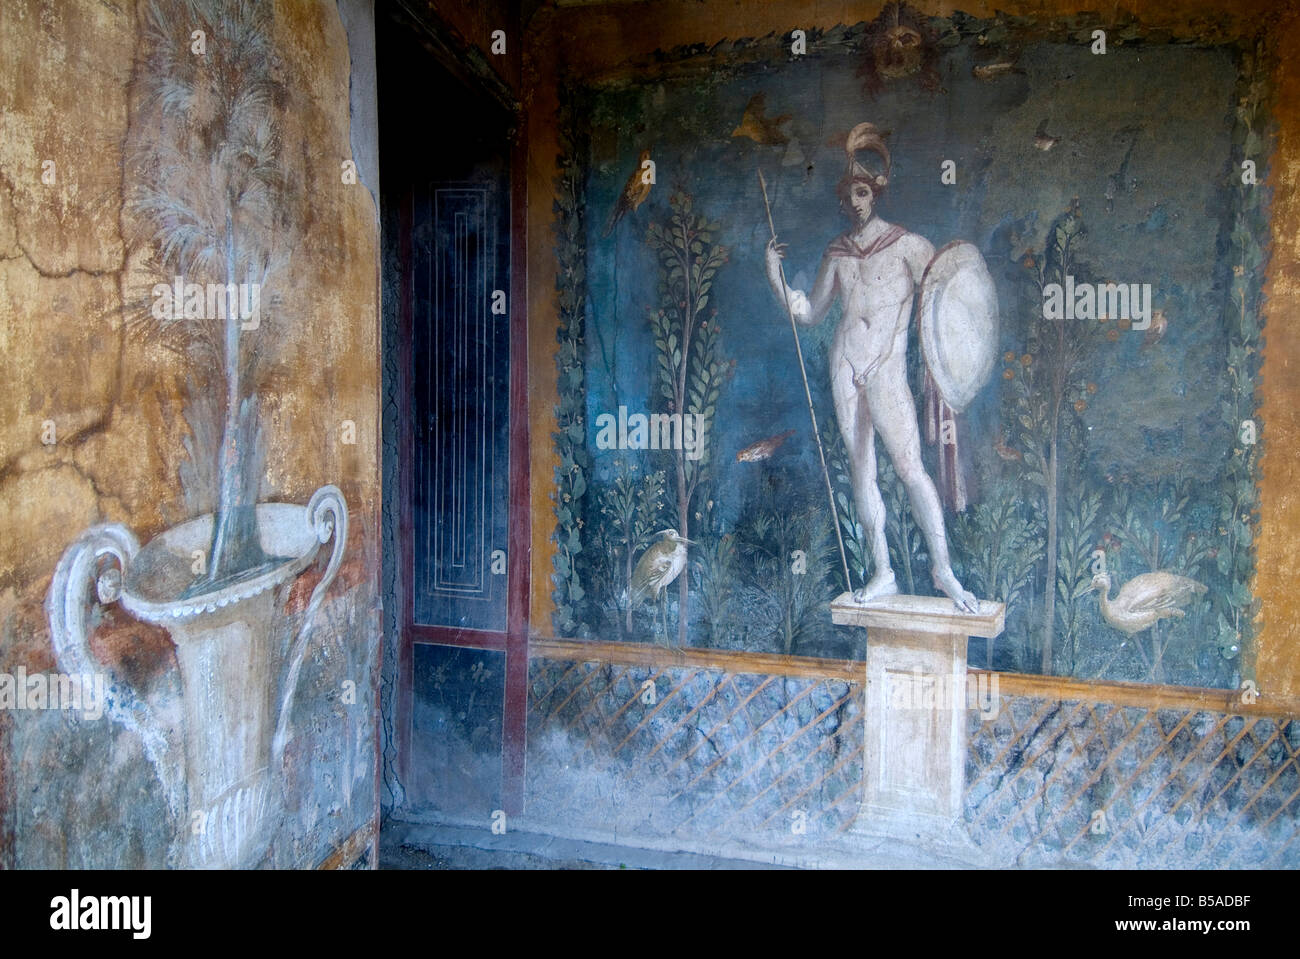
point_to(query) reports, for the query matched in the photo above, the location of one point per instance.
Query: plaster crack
(13, 465)
(56, 275)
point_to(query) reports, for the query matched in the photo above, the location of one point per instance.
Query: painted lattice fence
(712, 749)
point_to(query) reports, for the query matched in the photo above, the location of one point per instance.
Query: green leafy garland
(574, 468)
(1238, 507)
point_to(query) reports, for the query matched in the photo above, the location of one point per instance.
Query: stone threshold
(422, 829)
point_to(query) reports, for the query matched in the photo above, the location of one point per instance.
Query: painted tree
(207, 193)
(691, 368)
(1048, 393)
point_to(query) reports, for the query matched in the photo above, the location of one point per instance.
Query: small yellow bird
(1159, 323)
(760, 128)
(634, 192)
(1008, 453)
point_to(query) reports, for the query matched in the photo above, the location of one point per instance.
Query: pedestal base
(940, 833)
(915, 711)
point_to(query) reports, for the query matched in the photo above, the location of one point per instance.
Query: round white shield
(959, 322)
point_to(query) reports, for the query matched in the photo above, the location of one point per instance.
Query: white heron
(1145, 599)
(657, 568)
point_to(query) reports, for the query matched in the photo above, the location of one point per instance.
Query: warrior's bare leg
(860, 440)
(894, 415)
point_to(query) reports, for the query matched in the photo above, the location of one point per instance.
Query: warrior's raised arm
(806, 312)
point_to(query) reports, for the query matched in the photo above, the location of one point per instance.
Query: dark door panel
(460, 401)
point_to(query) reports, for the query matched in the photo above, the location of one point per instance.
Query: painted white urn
(221, 779)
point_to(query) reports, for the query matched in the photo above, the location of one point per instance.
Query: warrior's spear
(821, 453)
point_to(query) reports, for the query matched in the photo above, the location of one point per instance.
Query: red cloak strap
(951, 480)
(843, 245)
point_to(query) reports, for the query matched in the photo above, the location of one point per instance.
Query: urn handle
(66, 606)
(327, 515)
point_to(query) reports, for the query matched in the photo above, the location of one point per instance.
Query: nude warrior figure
(874, 270)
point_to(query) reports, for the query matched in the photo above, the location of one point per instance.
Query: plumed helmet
(866, 136)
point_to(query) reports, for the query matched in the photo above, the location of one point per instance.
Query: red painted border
(458, 636)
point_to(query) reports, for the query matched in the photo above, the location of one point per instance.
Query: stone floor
(406, 845)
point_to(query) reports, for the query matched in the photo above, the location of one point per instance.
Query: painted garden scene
(932, 306)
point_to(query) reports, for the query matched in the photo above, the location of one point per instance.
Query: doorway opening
(455, 426)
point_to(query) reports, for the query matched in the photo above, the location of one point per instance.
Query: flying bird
(1042, 140)
(991, 71)
(657, 568)
(763, 448)
(634, 193)
(759, 127)
(1145, 599)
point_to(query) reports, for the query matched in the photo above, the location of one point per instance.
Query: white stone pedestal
(916, 702)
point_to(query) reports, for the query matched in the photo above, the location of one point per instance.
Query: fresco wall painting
(1099, 474)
